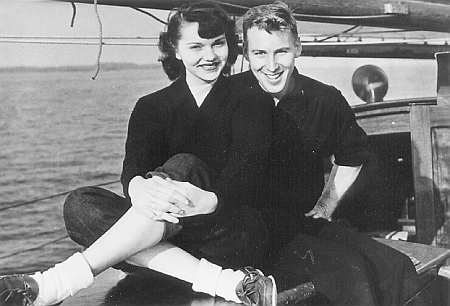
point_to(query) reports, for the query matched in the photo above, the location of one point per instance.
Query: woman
(193, 152)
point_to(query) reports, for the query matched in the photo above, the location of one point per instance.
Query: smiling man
(313, 121)
(273, 59)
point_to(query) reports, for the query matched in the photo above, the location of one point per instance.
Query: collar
(199, 91)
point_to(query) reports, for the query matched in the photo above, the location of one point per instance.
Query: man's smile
(273, 76)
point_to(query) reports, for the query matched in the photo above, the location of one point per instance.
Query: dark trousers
(347, 267)
(231, 239)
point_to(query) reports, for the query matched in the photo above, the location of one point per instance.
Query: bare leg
(137, 239)
(168, 259)
(133, 233)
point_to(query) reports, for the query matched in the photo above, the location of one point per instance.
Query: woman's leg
(101, 220)
(132, 236)
(90, 211)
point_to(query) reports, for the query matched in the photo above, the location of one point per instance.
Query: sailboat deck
(113, 287)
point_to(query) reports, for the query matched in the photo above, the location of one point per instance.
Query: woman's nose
(209, 53)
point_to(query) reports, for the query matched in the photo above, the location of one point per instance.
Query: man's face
(272, 59)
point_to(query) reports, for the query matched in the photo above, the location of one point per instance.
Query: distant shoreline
(103, 66)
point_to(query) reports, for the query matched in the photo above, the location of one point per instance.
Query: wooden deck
(115, 288)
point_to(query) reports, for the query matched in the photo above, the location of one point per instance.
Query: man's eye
(195, 47)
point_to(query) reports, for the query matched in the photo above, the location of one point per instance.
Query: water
(59, 130)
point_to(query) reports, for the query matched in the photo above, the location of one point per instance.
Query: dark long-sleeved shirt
(230, 132)
(310, 123)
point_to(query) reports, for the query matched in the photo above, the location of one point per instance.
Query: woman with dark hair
(193, 156)
(209, 25)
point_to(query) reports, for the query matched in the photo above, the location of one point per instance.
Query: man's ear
(298, 48)
(246, 56)
(244, 52)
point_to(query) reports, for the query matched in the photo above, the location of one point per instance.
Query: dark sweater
(230, 131)
(311, 123)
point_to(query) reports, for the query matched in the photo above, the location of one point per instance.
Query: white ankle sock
(64, 280)
(227, 283)
(211, 279)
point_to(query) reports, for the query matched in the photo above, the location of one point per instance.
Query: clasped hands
(166, 199)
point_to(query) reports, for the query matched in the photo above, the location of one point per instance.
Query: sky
(40, 18)
(50, 18)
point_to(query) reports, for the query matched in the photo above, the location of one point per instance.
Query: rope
(337, 35)
(100, 42)
(35, 248)
(74, 12)
(149, 14)
(51, 197)
(77, 37)
(77, 43)
(46, 232)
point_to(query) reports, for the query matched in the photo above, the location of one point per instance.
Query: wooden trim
(422, 164)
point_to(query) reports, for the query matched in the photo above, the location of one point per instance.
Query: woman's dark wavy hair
(212, 20)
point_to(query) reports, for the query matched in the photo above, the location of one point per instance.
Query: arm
(340, 180)
(146, 149)
(348, 142)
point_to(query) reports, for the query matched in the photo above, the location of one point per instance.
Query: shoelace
(11, 293)
(250, 278)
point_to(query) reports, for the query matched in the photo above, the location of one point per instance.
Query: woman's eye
(220, 43)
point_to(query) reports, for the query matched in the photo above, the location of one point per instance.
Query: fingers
(156, 203)
(166, 191)
(158, 215)
(169, 218)
(315, 213)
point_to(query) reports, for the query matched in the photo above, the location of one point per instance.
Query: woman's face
(203, 58)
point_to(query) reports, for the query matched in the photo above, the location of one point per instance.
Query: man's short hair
(269, 17)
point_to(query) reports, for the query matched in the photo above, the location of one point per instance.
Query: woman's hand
(200, 201)
(158, 199)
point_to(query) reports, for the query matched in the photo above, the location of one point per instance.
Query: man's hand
(158, 199)
(340, 180)
(319, 211)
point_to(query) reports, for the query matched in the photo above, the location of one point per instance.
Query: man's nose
(272, 63)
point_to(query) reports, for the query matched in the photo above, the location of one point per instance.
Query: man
(313, 120)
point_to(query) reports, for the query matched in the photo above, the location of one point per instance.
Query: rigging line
(336, 35)
(35, 248)
(100, 43)
(364, 17)
(75, 43)
(74, 12)
(79, 37)
(233, 5)
(51, 197)
(149, 14)
(351, 35)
